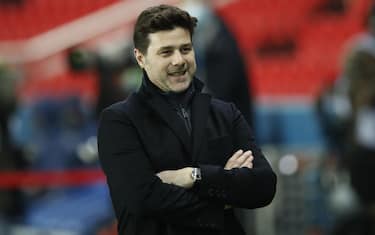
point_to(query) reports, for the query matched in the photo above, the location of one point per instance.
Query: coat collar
(199, 114)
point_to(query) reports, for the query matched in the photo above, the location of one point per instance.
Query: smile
(178, 73)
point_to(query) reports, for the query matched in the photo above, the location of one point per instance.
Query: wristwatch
(196, 174)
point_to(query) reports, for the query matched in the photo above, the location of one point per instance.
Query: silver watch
(196, 174)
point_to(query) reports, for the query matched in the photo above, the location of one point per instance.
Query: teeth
(178, 73)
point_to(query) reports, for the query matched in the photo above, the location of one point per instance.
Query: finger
(232, 160)
(240, 160)
(248, 163)
(236, 162)
(236, 154)
(230, 164)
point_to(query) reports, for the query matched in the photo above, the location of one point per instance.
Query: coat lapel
(171, 118)
(200, 110)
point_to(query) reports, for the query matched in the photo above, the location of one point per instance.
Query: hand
(240, 159)
(181, 177)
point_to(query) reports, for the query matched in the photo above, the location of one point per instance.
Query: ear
(139, 57)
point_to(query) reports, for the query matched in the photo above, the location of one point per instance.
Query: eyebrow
(165, 48)
(172, 47)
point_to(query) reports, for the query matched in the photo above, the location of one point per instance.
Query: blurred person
(7, 102)
(360, 155)
(178, 161)
(352, 104)
(114, 69)
(109, 77)
(359, 82)
(11, 158)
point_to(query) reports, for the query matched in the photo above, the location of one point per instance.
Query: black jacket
(143, 135)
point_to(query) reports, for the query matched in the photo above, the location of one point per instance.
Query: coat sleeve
(135, 188)
(240, 187)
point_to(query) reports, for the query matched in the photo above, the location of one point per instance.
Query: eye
(166, 52)
(186, 49)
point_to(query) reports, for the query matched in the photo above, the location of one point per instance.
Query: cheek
(160, 65)
(156, 67)
(191, 61)
(193, 66)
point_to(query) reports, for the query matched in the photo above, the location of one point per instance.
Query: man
(177, 161)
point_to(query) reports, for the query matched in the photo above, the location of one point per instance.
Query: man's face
(169, 61)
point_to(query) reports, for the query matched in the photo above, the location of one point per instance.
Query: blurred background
(301, 72)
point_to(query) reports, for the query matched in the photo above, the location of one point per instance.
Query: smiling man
(177, 160)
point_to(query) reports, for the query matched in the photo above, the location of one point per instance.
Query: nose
(178, 58)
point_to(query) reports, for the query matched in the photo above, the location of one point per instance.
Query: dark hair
(158, 18)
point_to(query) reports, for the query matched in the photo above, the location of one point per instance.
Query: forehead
(169, 38)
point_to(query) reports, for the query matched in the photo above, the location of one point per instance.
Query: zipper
(186, 118)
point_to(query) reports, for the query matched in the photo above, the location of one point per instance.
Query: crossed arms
(182, 177)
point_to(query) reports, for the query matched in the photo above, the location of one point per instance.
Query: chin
(179, 86)
(179, 89)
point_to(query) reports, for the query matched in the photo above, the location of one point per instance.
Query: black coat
(143, 135)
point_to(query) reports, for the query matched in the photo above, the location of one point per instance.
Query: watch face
(195, 174)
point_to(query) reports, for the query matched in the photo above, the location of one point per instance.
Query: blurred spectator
(118, 77)
(359, 82)
(117, 72)
(360, 71)
(349, 108)
(10, 157)
(7, 101)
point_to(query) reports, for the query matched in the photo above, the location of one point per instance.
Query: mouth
(177, 73)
